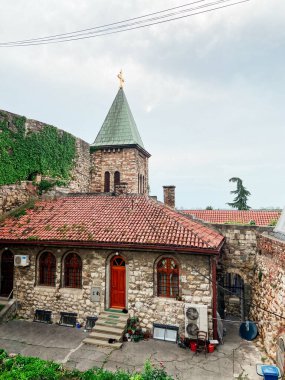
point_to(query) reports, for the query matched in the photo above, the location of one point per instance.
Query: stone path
(63, 344)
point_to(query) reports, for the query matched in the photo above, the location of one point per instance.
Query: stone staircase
(110, 325)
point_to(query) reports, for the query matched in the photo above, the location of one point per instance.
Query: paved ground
(63, 344)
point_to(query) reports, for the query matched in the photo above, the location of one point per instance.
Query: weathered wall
(239, 251)
(130, 162)
(12, 196)
(269, 290)
(141, 286)
(79, 175)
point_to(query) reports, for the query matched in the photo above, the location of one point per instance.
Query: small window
(68, 319)
(72, 271)
(167, 278)
(47, 267)
(43, 316)
(107, 182)
(117, 179)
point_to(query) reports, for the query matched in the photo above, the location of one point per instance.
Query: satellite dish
(248, 330)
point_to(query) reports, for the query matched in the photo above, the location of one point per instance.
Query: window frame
(171, 283)
(72, 272)
(47, 269)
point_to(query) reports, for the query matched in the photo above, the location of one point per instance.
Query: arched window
(167, 278)
(107, 182)
(139, 190)
(72, 271)
(116, 179)
(47, 267)
(141, 185)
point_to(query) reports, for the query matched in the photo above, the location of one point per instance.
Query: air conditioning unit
(196, 319)
(21, 260)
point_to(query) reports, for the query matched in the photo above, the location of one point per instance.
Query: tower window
(116, 179)
(107, 182)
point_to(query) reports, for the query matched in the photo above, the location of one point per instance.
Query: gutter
(214, 298)
(206, 251)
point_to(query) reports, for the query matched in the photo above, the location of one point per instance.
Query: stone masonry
(130, 162)
(12, 196)
(141, 286)
(269, 291)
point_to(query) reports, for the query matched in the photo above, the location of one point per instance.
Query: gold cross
(121, 79)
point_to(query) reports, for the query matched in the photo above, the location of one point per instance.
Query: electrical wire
(120, 28)
(105, 25)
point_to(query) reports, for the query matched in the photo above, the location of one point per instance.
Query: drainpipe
(214, 286)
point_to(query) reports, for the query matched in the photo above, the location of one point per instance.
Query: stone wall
(130, 162)
(239, 251)
(80, 174)
(269, 290)
(12, 196)
(142, 300)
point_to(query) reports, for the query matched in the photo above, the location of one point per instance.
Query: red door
(118, 283)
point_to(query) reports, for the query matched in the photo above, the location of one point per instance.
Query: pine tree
(240, 201)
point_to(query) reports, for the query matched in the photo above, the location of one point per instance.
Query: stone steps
(102, 343)
(110, 325)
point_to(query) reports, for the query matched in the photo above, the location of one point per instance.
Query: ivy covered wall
(25, 152)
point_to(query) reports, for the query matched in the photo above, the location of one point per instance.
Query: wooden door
(118, 283)
(7, 273)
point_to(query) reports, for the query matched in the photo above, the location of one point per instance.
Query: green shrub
(29, 368)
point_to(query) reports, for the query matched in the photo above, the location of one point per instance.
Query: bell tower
(118, 155)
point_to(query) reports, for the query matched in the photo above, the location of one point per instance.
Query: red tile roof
(260, 217)
(102, 220)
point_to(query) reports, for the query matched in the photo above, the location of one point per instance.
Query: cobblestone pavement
(64, 345)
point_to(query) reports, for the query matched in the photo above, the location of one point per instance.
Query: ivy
(49, 152)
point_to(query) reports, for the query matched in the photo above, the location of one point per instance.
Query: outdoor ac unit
(21, 260)
(196, 319)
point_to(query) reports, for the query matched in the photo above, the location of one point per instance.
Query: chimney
(121, 188)
(169, 196)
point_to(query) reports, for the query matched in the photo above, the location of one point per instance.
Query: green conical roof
(119, 127)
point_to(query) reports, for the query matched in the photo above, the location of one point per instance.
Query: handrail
(10, 295)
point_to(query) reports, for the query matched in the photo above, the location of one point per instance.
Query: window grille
(42, 316)
(68, 319)
(72, 271)
(167, 278)
(47, 267)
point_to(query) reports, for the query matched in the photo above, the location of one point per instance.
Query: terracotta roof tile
(125, 219)
(260, 217)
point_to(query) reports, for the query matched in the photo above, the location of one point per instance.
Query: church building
(113, 248)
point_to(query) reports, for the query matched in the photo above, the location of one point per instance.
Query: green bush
(28, 368)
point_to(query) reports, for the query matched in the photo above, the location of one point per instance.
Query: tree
(240, 201)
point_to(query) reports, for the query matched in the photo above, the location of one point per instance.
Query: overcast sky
(207, 92)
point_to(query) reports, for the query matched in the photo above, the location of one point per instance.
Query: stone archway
(233, 295)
